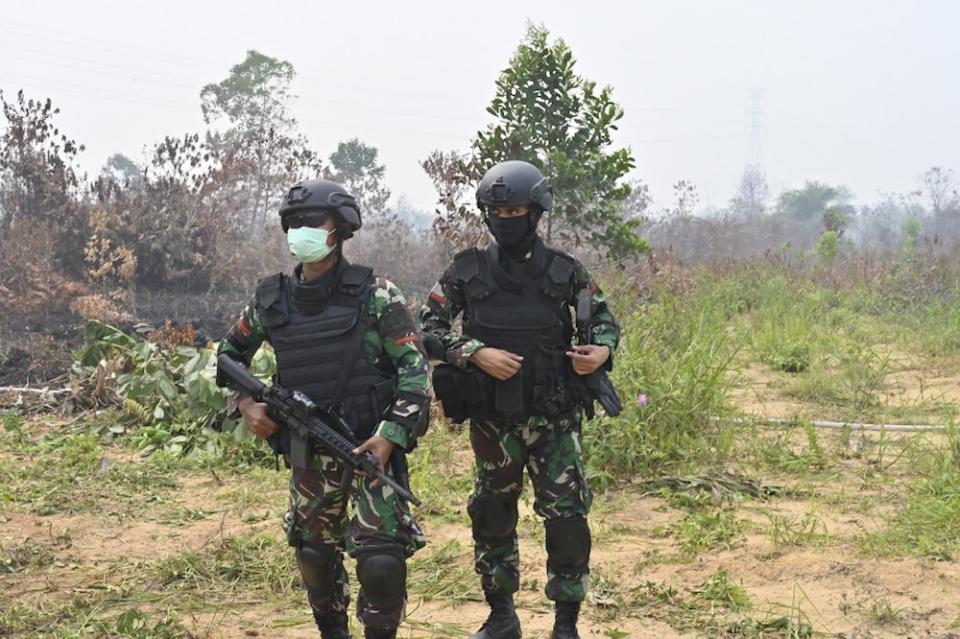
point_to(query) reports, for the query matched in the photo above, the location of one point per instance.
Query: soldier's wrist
(608, 363)
(236, 401)
(469, 349)
(393, 433)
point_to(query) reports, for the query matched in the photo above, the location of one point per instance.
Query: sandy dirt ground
(829, 582)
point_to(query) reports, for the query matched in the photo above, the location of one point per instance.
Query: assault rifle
(597, 385)
(304, 422)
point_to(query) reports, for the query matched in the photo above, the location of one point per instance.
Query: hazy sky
(864, 94)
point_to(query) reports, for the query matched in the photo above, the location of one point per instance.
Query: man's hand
(498, 363)
(255, 415)
(382, 448)
(588, 358)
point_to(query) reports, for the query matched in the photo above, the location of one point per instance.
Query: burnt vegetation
(184, 233)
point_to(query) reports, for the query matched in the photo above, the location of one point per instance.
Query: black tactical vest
(524, 310)
(311, 332)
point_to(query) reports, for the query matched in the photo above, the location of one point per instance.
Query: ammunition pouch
(551, 394)
(540, 387)
(465, 394)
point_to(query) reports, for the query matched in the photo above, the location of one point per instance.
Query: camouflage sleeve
(400, 341)
(603, 326)
(245, 337)
(241, 343)
(444, 304)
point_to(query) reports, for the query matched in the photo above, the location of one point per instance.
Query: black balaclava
(515, 234)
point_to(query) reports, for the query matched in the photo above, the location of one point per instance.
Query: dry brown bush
(99, 307)
(170, 336)
(31, 281)
(412, 259)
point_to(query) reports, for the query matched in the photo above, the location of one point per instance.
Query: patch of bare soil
(824, 578)
(924, 392)
(915, 386)
(759, 391)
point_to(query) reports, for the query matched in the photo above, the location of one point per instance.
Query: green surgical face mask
(308, 244)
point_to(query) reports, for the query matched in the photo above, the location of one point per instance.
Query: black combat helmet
(514, 183)
(323, 195)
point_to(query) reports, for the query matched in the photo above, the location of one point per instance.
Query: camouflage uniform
(549, 448)
(319, 494)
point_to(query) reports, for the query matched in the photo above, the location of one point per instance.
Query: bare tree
(941, 186)
(752, 194)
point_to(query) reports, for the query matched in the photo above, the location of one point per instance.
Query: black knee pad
(382, 573)
(319, 564)
(568, 545)
(494, 516)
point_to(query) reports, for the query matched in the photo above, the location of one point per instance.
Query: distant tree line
(198, 213)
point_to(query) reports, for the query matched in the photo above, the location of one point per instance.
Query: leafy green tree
(355, 166)
(836, 218)
(827, 245)
(255, 95)
(547, 114)
(810, 202)
(261, 141)
(911, 232)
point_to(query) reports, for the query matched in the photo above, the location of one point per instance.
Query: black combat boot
(372, 633)
(565, 624)
(332, 624)
(503, 622)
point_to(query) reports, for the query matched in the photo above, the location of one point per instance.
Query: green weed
(698, 531)
(718, 590)
(929, 523)
(676, 356)
(134, 624)
(230, 565)
(796, 530)
(438, 477)
(882, 613)
(446, 574)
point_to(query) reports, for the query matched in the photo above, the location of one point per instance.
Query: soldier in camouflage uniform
(347, 340)
(509, 373)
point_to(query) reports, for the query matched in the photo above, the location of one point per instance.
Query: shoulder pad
(554, 251)
(268, 290)
(355, 278)
(468, 264)
(271, 302)
(561, 267)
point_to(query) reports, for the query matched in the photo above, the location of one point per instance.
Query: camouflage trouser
(550, 450)
(318, 515)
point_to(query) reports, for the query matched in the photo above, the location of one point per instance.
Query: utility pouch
(382, 396)
(445, 387)
(551, 392)
(463, 393)
(508, 398)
